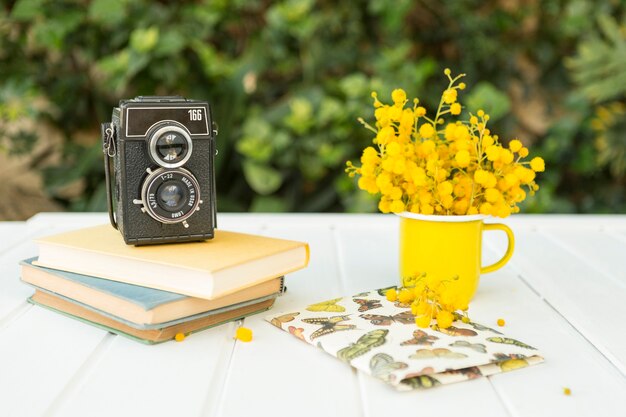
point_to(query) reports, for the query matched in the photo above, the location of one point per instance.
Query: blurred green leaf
(287, 81)
(262, 179)
(300, 120)
(107, 12)
(355, 85)
(211, 62)
(256, 142)
(486, 96)
(24, 10)
(599, 68)
(51, 33)
(268, 204)
(144, 40)
(170, 42)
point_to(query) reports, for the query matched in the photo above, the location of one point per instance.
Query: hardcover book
(151, 336)
(210, 269)
(142, 306)
(380, 338)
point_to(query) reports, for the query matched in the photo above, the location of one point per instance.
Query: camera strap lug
(108, 143)
(109, 150)
(215, 133)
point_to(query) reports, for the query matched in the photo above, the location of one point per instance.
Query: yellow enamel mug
(448, 246)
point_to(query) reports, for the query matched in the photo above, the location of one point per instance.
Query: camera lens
(170, 146)
(172, 195)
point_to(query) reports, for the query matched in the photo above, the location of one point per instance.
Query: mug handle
(509, 249)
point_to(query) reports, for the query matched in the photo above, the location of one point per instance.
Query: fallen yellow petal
(244, 334)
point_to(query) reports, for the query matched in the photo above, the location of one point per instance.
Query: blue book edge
(144, 297)
(155, 326)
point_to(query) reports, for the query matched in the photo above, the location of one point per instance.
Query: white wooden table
(564, 292)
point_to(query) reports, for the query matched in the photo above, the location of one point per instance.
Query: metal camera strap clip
(109, 141)
(109, 150)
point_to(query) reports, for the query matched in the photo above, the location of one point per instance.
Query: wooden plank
(277, 374)
(560, 221)
(588, 299)
(261, 378)
(168, 379)
(13, 292)
(10, 234)
(603, 251)
(571, 361)
(39, 354)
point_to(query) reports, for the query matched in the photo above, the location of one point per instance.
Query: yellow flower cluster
(426, 165)
(431, 298)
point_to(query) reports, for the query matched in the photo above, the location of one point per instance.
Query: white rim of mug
(446, 219)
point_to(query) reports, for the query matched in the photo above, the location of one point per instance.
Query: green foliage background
(288, 80)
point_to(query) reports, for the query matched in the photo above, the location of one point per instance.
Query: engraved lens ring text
(177, 188)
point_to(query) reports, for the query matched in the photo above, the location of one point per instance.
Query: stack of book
(152, 293)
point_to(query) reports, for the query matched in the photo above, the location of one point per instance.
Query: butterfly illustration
(509, 341)
(404, 317)
(402, 305)
(472, 372)
(437, 353)
(420, 337)
(330, 306)
(365, 343)
(296, 331)
(476, 326)
(362, 294)
(383, 291)
(383, 366)
(511, 361)
(478, 347)
(454, 331)
(428, 370)
(367, 304)
(422, 381)
(285, 318)
(329, 325)
(481, 328)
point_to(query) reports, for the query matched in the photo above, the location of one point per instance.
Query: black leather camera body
(162, 150)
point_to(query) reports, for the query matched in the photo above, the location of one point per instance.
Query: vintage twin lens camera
(162, 150)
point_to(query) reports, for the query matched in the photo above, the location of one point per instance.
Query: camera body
(162, 149)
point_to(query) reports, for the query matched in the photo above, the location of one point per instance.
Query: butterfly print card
(381, 339)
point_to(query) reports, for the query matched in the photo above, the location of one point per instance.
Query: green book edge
(129, 336)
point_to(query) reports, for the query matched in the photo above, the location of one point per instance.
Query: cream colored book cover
(210, 269)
